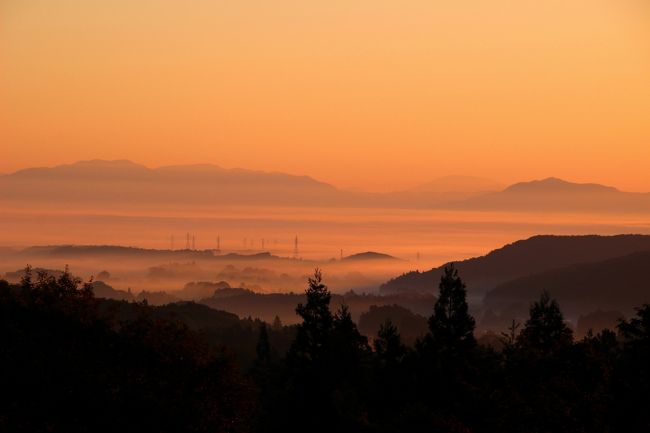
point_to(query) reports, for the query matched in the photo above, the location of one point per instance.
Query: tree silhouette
(445, 370)
(636, 331)
(309, 366)
(632, 374)
(72, 362)
(388, 344)
(69, 367)
(451, 326)
(347, 347)
(346, 337)
(545, 330)
(317, 320)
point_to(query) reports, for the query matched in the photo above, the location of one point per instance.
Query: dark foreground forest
(73, 363)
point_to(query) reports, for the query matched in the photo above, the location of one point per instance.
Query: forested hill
(620, 284)
(75, 363)
(522, 258)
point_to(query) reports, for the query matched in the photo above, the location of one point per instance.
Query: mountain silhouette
(124, 185)
(553, 184)
(369, 255)
(620, 283)
(557, 195)
(115, 182)
(522, 258)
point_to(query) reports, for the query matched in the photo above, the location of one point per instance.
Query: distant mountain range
(554, 194)
(118, 184)
(524, 258)
(124, 182)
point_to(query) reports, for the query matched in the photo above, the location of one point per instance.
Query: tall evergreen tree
(545, 329)
(388, 344)
(348, 346)
(451, 326)
(347, 353)
(317, 320)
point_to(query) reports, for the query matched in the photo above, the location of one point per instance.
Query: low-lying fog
(418, 239)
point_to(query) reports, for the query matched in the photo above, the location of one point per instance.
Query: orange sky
(371, 94)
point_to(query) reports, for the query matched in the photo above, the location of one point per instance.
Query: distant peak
(370, 255)
(556, 184)
(554, 180)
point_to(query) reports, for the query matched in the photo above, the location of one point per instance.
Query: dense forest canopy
(74, 362)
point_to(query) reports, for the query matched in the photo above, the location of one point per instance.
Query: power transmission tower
(295, 248)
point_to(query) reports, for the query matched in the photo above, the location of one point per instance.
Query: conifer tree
(545, 329)
(451, 326)
(347, 342)
(388, 345)
(317, 320)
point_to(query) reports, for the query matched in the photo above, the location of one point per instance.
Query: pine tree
(311, 374)
(388, 345)
(317, 321)
(451, 326)
(347, 345)
(545, 330)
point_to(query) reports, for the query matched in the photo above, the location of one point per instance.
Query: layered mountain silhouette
(121, 182)
(557, 195)
(619, 284)
(524, 258)
(97, 181)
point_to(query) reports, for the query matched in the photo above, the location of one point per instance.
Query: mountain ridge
(521, 258)
(557, 195)
(615, 283)
(97, 182)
